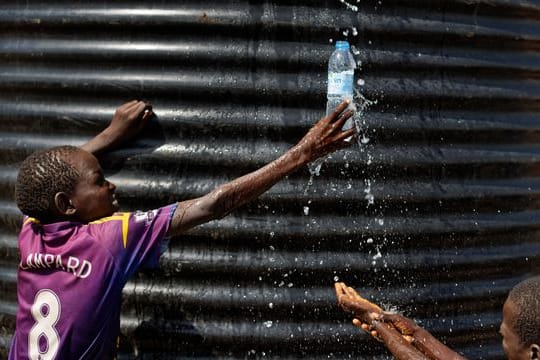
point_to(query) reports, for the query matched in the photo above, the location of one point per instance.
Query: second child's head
(64, 183)
(520, 326)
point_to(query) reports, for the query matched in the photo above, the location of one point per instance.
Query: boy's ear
(535, 352)
(63, 204)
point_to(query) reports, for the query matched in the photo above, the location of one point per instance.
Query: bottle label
(340, 83)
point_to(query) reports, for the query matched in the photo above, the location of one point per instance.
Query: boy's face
(511, 343)
(93, 196)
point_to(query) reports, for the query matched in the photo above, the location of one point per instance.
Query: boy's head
(520, 325)
(64, 183)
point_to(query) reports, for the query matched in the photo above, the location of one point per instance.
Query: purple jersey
(70, 282)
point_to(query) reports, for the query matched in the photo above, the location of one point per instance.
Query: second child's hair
(42, 175)
(525, 296)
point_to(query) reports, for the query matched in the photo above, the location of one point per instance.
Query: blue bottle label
(340, 83)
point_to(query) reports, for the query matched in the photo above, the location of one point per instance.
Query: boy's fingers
(338, 110)
(128, 105)
(353, 293)
(361, 304)
(339, 290)
(362, 325)
(346, 114)
(138, 109)
(361, 309)
(405, 325)
(343, 118)
(366, 327)
(344, 289)
(136, 105)
(395, 342)
(348, 291)
(345, 135)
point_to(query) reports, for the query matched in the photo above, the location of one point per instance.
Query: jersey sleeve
(134, 239)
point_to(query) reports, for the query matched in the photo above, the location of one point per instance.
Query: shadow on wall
(150, 139)
(157, 332)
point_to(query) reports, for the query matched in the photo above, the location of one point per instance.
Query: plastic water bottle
(340, 87)
(340, 79)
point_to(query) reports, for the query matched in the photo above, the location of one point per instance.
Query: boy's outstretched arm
(127, 121)
(323, 138)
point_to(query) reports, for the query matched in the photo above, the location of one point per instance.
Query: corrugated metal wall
(436, 214)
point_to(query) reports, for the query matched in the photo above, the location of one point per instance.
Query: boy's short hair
(42, 175)
(526, 298)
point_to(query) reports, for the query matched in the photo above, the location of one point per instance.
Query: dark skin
(402, 336)
(128, 121)
(397, 344)
(93, 196)
(512, 346)
(408, 341)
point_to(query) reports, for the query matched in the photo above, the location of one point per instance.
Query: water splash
(268, 324)
(361, 104)
(377, 256)
(350, 6)
(315, 167)
(368, 194)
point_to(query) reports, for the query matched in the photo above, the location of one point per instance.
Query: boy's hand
(350, 301)
(379, 324)
(404, 325)
(326, 135)
(365, 313)
(128, 120)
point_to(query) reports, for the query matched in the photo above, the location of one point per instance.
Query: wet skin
(402, 336)
(93, 196)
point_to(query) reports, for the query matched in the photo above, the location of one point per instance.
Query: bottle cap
(342, 44)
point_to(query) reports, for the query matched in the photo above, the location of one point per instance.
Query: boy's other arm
(421, 338)
(403, 337)
(396, 344)
(323, 138)
(127, 121)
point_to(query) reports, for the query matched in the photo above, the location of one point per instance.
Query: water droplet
(268, 323)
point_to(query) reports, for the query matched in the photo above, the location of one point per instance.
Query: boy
(520, 327)
(77, 253)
